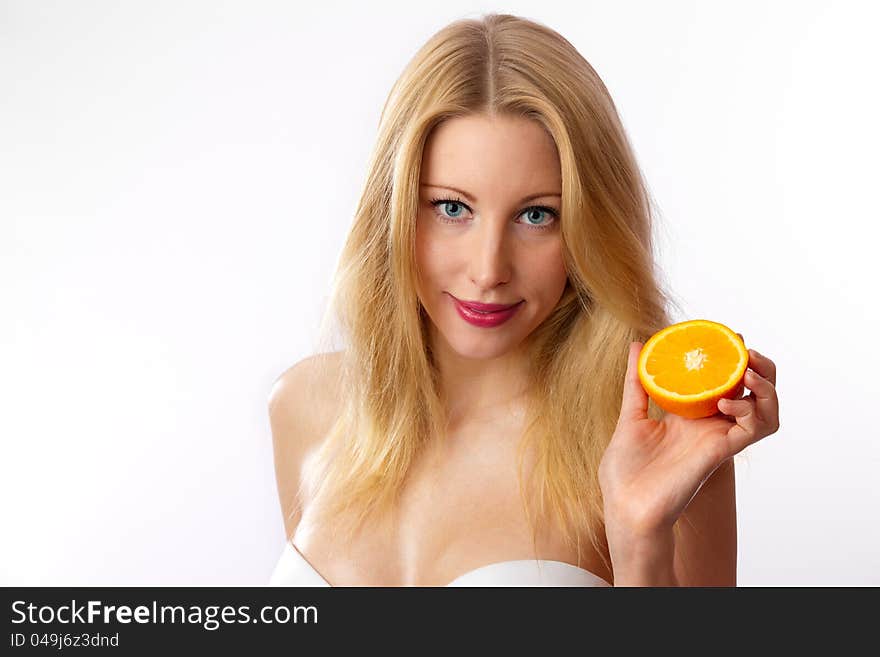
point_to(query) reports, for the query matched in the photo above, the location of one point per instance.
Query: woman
(450, 443)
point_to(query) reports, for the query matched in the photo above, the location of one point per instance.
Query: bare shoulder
(302, 405)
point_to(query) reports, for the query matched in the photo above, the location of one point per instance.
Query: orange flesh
(693, 360)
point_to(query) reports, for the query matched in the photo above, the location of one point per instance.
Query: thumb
(634, 405)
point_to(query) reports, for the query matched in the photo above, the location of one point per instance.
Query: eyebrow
(474, 200)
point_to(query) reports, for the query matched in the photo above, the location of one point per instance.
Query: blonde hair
(390, 405)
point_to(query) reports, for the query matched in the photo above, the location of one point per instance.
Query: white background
(177, 180)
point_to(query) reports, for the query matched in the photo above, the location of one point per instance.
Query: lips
(485, 315)
(487, 307)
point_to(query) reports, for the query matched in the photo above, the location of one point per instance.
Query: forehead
(500, 153)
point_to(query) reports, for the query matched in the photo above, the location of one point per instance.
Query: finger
(744, 429)
(634, 405)
(736, 408)
(766, 399)
(762, 365)
(747, 427)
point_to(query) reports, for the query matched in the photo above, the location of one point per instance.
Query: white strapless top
(293, 570)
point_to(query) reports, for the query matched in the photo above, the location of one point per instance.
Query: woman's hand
(651, 470)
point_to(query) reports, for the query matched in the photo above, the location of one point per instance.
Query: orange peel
(686, 368)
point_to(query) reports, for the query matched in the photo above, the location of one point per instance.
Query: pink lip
(494, 313)
(486, 307)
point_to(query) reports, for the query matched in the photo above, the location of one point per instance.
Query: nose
(489, 258)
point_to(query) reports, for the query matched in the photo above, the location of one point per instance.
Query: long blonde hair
(390, 405)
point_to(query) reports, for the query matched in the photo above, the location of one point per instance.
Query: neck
(476, 389)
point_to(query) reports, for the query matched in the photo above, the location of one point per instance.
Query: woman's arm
(656, 475)
(704, 553)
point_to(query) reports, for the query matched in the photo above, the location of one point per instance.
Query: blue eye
(447, 203)
(453, 216)
(539, 210)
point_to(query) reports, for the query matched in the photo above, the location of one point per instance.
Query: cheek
(430, 251)
(549, 267)
(429, 258)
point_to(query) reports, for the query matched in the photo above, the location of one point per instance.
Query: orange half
(687, 367)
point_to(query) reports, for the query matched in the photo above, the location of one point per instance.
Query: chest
(461, 508)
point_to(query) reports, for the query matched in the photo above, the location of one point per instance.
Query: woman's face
(497, 240)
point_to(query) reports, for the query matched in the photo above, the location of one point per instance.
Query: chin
(484, 347)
